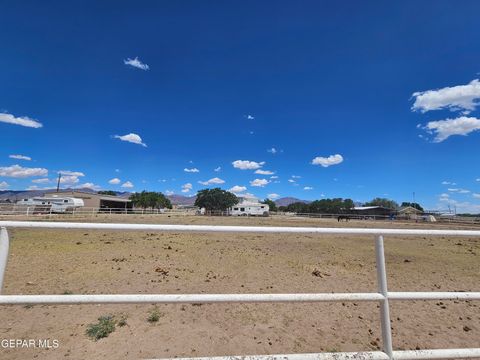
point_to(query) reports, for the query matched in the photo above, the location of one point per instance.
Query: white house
(249, 205)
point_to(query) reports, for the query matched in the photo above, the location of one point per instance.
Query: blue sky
(384, 95)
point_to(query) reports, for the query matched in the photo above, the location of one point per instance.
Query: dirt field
(96, 262)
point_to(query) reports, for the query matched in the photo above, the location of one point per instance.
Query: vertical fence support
(382, 289)
(4, 245)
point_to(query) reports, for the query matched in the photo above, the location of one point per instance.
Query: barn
(93, 200)
(372, 211)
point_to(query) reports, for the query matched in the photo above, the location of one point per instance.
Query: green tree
(298, 207)
(148, 199)
(107, 192)
(215, 199)
(412, 204)
(386, 203)
(271, 204)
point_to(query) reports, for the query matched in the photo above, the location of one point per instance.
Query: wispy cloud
(272, 150)
(41, 181)
(4, 185)
(459, 191)
(169, 192)
(448, 183)
(187, 187)
(89, 185)
(250, 117)
(213, 181)
(22, 121)
(20, 157)
(128, 185)
(259, 182)
(247, 164)
(136, 63)
(328, 161)
(264, 172)
(461, 97)
(114, 181)
(443, 129)
(131, 138)
(217, 169)
(192, 170)
(308, 188)
(17, 171)
(273, 196)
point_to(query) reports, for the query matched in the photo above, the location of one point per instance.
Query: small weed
(122, 320)
(154, 315)
(67, 292)
(104, 327)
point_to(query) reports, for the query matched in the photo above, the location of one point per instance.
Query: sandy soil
(95, 262)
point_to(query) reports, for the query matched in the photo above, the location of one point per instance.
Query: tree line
(217, 199)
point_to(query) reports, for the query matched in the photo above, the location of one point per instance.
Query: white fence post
(382, 289)
(4, 245)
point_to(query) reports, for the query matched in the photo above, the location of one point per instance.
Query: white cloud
(291, 180)
(22, 121)
(247, 165)
(192, 170)
(444, 197)
(32, 187)
(308, 188)
(114, 181)
(328, 161)
(443, 129)
(41, 181)
(476, 195)
(448, 183)
(88, 185)
(127, 184)
(132, 138)
(169, 192)
(264, 172)
(459, 191)
(136, 63)
(250, 117)
(237, 189)
(212, 181)
(217, 169)
(20, 157)
(71, 173)
(274, 177)
(259, 182)
(187, 187)
(461, 97)
(477, 179)
(272, 150)
(69, 179)
(4, 185)
(17, 171)
(273, 196)
(296, 177)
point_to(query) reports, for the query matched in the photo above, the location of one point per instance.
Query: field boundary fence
(383, 296)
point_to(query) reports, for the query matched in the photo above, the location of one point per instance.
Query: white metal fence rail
(383, 296)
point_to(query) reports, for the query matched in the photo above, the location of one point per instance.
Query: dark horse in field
(343, 217)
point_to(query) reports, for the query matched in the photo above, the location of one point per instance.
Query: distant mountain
(181, 200)
(285, 201)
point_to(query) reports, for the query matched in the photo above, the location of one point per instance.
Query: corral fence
(383, 296)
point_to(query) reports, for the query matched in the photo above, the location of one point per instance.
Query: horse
(343, 217)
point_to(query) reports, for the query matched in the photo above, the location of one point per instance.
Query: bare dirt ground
(96, 262)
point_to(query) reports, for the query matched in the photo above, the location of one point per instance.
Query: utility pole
(58, 182)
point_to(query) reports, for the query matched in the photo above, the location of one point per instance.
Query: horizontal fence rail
(383, 296)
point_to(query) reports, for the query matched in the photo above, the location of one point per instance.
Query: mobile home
(52, 204)
(249, 206)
